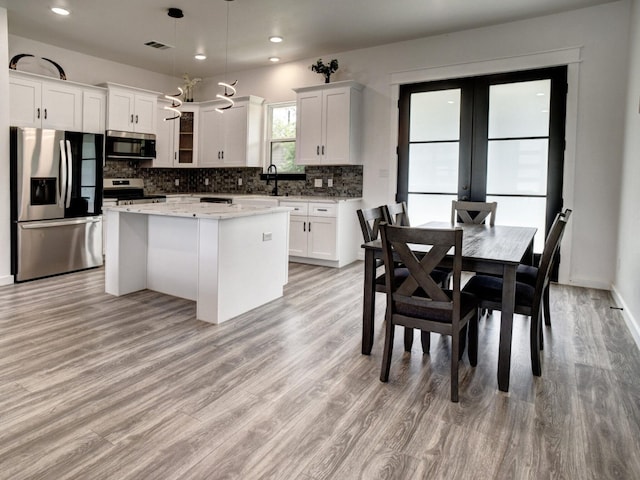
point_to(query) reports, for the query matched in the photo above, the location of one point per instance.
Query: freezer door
(50, 247)
(41, 174)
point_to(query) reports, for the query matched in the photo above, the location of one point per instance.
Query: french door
(490, 138)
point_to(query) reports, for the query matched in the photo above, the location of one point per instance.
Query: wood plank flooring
(100, 387)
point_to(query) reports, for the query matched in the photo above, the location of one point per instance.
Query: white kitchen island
(228, 258)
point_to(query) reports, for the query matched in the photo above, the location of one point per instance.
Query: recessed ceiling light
(276, 39)
(200, 56)
(60, 11)
(274, 59)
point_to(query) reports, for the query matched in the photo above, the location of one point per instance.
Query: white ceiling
(117, 29)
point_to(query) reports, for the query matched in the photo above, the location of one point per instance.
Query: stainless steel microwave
(130, 145)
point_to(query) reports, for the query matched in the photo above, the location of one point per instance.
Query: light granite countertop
(215, 211)
(281, 198)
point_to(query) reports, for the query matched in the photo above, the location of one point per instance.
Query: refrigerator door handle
(63, 175)
(69, 172)
(45, 224)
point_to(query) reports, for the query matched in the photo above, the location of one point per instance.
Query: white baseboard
(6, 280)
(632, 323)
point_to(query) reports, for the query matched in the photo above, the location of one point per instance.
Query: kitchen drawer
(299, 208)
(322, 209)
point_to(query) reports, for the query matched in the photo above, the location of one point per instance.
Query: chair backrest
(370, 219)
(396, 214)
(419, 290)
(473, 212)
(551, 245)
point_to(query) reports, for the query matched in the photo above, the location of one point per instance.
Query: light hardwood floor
(98, 387)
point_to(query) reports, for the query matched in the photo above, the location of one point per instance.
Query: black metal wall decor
(13, 64)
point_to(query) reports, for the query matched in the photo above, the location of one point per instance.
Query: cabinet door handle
(317, 149)
(37, 113)
(175, 155)
(45, 113)
(137, 120)
(132, 118)
(321, 209)
(222, 154)
(322, 149)
(309, 227)
(304, 226)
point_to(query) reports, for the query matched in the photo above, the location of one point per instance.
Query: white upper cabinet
(177, 140)
(131, 110)
(94, 110)
(328, 124)
(44, 103)
(232, 138)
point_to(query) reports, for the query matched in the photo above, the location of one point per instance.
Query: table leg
(506, 326)
(368, 306)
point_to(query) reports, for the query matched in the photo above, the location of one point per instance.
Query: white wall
(92, 70)
(5, 222)
(627, 281)
(593, 191)
(594, 165)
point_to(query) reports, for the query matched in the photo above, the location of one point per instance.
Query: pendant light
(176, 101)
(229, 88)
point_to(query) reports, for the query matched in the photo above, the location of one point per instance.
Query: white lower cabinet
(323, 233)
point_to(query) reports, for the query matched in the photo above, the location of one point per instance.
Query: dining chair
(419, 301)
(528, 274)
(397, 214)
(528, 298)
(473, 212)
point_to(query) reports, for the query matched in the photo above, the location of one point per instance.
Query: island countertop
(215, 211)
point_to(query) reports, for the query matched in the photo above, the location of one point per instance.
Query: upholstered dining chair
(528, 298)
(419, 301)
(529, 273)
(473, 212)
(397, 214)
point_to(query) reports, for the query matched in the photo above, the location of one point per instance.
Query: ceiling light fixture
(274, 59)
(276, 39)
(176, 101)
(229, 88)
(60, 11)
(200, 56)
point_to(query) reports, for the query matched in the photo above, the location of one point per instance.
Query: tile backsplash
(347, 180)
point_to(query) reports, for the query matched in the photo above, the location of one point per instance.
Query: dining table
(493, 250)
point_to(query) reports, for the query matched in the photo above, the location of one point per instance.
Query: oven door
(129, 145)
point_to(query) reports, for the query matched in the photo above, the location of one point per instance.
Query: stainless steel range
(127, 191)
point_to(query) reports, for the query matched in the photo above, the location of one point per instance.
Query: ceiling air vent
(158, 45)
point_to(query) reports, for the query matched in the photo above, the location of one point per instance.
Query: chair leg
(462, 342)
(408, 339)
(534, 338)
(547, 309)
(472, 351)
(388, 347)
(425, 338)
(455, 350)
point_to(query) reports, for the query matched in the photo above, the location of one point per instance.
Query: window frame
(269, 141)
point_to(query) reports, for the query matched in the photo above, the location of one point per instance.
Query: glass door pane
(518, 153)
(434, 146)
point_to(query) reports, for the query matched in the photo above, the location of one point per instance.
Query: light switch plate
(318, 183)
(266, 236)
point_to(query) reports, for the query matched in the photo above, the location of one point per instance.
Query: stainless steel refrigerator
(56, 202)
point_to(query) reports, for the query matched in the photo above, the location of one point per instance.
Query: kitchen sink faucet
(273, 175)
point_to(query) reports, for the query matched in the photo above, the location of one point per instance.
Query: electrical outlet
(177, 182)
(240, 181)
(318, 183)
(206, 181)
(330, 182)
